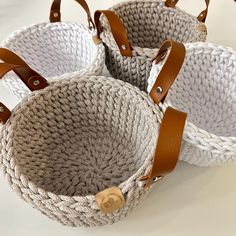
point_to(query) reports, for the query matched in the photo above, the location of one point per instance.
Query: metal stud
(1, 109)
(36, 82)
(157, 178)
(123, 47)
(159, 89)
(55, 14)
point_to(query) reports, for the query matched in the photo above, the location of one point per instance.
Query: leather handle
(24, 72)
(31, 79)
(201, 17)
(117, 29)
(170, 69)
(168, 146)
(55, 13)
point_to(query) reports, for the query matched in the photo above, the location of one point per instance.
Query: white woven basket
(206, 89)
(77, 137)
(55, 48)
(147, 23)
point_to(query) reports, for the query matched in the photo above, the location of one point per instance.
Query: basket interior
(83, 137)
(53, 49)
(206, 89)
(149, 23)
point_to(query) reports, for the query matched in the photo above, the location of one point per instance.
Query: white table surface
(192, 201)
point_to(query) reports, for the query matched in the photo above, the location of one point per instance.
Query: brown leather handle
(170, 69)
(55, 13)
(31, 79)
(168, 145)
(24, 72)
(117, 29)
(202, 16)
(10, 57)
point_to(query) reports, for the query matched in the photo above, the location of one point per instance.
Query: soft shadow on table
(190, 201)
(172, 194)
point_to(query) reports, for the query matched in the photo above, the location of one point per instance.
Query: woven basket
(206, 89)
(147, 23)
(55, 48)
(68, 142)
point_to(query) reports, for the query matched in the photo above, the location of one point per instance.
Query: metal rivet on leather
(36, 82)
(159, 90)
(55, 14)
(123, 47)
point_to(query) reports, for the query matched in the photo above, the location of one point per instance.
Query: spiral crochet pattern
(148, 24)
(54, 49)
(75, 138)
(206, 89)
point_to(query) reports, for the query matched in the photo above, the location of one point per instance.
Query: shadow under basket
(75, 138)
(206, 89)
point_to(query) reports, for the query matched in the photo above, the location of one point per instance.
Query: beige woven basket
(76, 149)
(134, 33)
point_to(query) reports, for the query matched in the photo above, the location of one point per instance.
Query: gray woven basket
(147, 23)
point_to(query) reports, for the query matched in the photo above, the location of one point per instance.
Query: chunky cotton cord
(79, 136)
(148, 24)
(206, 89)
(54, 50)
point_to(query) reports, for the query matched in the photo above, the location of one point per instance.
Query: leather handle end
(55, 13)
(171, 3)
(55, 16)
(12, 62)
(117, 29)
(202, 16)
(5, 113)
(166, 77)
(168, 146)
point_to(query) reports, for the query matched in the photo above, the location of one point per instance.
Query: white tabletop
(192, 201)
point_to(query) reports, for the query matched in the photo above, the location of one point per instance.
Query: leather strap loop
(55, 13)
(31, 79)
(20, 67)
(202, 16)
(5, 113)
(169, 71)
(10, 57)
(168, 145)
(117, 29)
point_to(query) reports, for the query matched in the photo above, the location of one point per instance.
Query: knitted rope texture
(53, 50)
(75, 138)
(148, 24)
(206, 90)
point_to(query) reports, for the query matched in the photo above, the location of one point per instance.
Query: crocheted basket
(66, 145)
(205, 88)
(55, 48)
(147, 23)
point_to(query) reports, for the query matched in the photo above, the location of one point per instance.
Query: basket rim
(197, 132)
(153, 109)
(144, 51)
